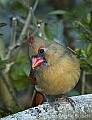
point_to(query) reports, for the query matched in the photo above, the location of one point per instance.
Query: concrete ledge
(82, 111)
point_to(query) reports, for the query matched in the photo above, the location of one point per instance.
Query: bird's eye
(41, 50)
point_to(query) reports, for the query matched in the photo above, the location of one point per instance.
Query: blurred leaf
(81, 10)
(83, 53)
(2, 24)
(80, 37)
(55, 31)
(20, 58)
(89, 48)
(19, 73)
(16, 71)
(89, 73)
(21, 83)
(3, 64)
(19, 54)
(90, 57)
(48, 32)
(4, 1)
(27, 69)
(78, 52)
(18, 8)
(7, 111)
(1, 34)
(89, 18)
(4, 112)
(58, 12)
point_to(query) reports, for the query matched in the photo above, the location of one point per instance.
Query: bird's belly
(55, 88)
(57, 78)
(54, 83)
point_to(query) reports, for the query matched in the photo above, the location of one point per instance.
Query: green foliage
(6, 111)
(2, 24)
(54, 28)
(17, 8)
(85, 56)
(85, 53)
(81, 10)
(12, 8)
(58, 12)
(80, 20)
(3, 64)
(19, 73)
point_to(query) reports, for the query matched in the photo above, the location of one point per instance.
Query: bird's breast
(58, 78)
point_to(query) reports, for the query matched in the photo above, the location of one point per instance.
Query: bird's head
(39, 58)
(44, 52)
(38, 51)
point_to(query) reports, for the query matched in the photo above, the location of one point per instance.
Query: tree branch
(83, 82)
(26, 26)
(13, 38)
(13, 33)
(83, 110)
(7, 90)
(2, 48)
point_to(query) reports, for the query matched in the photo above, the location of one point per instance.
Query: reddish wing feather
(37, 99)
(32, 78)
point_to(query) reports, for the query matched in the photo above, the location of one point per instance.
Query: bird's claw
(69, 100)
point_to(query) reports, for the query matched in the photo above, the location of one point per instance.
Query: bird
(54, 69)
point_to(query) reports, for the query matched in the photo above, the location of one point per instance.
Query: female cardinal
(55, 70)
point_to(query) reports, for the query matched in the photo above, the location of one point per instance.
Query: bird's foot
(52, 103)
(69, 100)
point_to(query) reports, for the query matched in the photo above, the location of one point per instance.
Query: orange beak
(37, 61)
